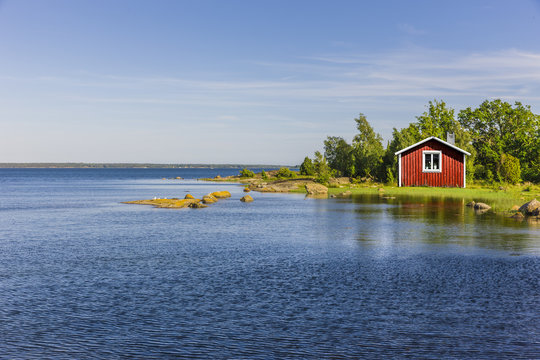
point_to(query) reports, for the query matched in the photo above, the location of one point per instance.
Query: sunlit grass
(500, 198)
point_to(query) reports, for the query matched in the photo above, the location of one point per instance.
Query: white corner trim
(399, 170)
(464, 170)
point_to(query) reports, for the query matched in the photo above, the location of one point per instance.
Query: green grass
(499, 200)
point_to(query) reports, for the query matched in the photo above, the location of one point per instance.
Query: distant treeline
(134, 166)
(504, 142)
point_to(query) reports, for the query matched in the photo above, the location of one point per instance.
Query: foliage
(246, 173)
(510, 169)
(264, 175)
(497, 128)
(340, 155)
(368, 149)
(307, 168)
(503, 140)
(285, 173)
(322, 169)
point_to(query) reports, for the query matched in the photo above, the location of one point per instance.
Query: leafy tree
(497, 128)
(246, 173)
(368, 149)
(340, 155)
(307, 168)
(322, 169)
(400, 140)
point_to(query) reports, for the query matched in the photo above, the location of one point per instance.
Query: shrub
(285, 173)
(510, 169)
(246, 173)
(264, 175)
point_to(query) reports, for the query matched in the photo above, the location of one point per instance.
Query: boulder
(209, 199)
(221, 194)
(471, 204)
(515, 208)
(531, 208)
(481, 206)
(189, 196)
(247, 189)
(197, 205)
(246, 198)
(316, 189)
(179, 178)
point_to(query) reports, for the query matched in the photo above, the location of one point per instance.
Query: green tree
(497, 128)
(400, 140)
(307, 168)
(340, 155)
(368, 150)
(322, 169)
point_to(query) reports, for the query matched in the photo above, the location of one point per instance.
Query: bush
(510, 169)
(264, 175)
(285, 173)
(246, 173)
(307, 167)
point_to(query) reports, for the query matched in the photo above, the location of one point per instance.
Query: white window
(431, 161)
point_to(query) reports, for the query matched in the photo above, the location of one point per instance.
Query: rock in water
(209, 199)
(189, 196)
(221, 194)
(246, 198)
(316, 189)
(481, 206)
(531, 208)
(247, 189)
(197, 205)
(471, 204)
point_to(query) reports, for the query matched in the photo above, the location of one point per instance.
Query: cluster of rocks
(189, 201)
(529, 209)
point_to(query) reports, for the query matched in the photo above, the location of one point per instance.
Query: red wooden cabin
(432, 162)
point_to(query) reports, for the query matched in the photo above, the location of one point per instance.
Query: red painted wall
(452, 167)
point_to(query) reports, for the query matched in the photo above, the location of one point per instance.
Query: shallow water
(84, 276)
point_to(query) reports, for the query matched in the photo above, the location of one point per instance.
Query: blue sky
(246, 81)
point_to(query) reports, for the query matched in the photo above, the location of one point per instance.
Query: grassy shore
(500, 197)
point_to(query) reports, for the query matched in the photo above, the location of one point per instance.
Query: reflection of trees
(415, 220)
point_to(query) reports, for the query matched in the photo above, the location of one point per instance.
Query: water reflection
(391, 223)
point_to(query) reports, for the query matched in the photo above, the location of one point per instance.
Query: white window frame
(424, 152)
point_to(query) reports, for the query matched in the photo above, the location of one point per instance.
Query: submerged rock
(518, 216)
(246, 198)
(481, 206)
(531, 208)
(471, 204)
(197, 205)
(316, 189)
(165, 203)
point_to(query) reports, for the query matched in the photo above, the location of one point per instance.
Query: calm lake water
(84, 276)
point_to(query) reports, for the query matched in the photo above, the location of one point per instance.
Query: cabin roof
(432, 138)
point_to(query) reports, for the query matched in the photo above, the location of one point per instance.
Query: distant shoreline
(130, 166)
